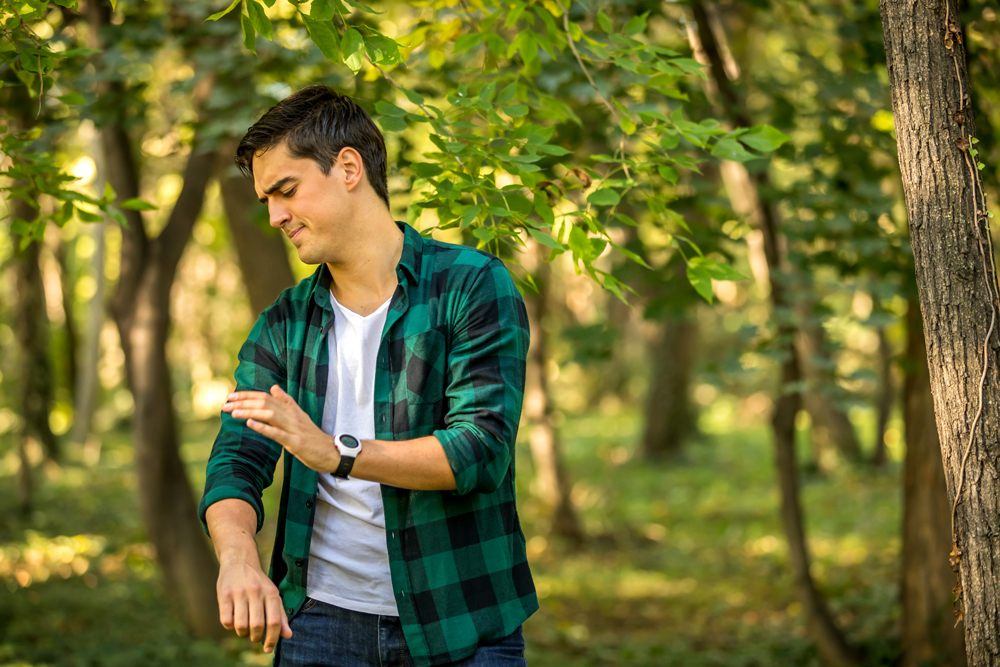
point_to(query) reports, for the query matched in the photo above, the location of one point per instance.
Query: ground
(685, 565)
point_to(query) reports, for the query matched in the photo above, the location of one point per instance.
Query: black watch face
(349, 441)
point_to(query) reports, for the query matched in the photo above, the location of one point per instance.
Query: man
(393, 379)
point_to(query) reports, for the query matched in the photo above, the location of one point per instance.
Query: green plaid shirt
(450, 364)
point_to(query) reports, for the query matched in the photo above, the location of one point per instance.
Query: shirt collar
(409, 266)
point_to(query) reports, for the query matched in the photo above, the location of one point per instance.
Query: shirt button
(298, 563)
(309, 503)
(289, 610)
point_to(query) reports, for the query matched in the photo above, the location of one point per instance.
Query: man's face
(312, 208)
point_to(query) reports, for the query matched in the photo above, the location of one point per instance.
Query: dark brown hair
(317, 123)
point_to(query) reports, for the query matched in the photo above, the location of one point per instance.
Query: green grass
(686, 564)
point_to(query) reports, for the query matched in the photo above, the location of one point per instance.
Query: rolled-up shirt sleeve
(242, 461)
(485, 388)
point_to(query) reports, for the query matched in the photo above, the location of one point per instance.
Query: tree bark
(956, 281)
(141, 308)
(32, 332)
(670, 419)
(930, 637)
(822, 629)
(85, 395)
(551, 479)
(262, 256)
(886, 397)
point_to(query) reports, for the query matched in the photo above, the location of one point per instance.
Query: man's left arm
(485, 390)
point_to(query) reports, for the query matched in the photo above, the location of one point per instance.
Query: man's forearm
(232, 524)
(419, 464)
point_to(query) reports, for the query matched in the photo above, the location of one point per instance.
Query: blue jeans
(328, 636)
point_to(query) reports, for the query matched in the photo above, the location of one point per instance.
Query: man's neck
(367, 279)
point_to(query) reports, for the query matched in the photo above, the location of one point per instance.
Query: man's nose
(278, 214)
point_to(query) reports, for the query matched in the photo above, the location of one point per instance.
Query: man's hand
(250, 604)
(280, 418)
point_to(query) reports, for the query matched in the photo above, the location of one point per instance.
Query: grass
(686, 564)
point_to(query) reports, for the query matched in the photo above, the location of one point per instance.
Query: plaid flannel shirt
(450, 364)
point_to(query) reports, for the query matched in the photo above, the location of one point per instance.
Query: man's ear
(353, 166)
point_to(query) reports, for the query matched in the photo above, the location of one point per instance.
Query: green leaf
(667, 173)
(764, 138)
(358, 5)
(636, 24)
(730, 149)
(413, 96)
(628, 125)
(468, 41)
(484, 234)
(545, 239)
(87, 216)
(354, 49)
(138, 205)
(109, 193)
(426, 169)
(469, 214)
(507, 94)
(392, 123)
(387, 109)
(259, 19)
(321, 10)
(516, 110)
(218, 15)
(382, 50)
(604, 197)
(634, 257)
(324, 36)
(248, 33)
(72, 99)
(689, 66)
(605, 22)
(700, 280)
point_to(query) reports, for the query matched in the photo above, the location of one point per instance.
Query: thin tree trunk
(66, 291)
(930, 637)
(830, 641)
(886, 397)
(32, 332)
(262, 256)
(551, 479)
(956, 281)
(90, 352)
(141, 308)
(670, 418)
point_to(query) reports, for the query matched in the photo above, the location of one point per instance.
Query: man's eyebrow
(275, 186)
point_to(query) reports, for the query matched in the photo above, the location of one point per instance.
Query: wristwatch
(349, 448)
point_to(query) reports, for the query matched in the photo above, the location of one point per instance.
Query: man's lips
(295, 233)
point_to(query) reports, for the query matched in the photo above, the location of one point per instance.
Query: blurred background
(646, 472)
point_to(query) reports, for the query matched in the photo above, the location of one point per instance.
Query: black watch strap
(344, 469)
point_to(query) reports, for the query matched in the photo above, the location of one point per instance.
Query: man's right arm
(249, 602)
(240, 467)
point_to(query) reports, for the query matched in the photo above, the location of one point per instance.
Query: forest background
(703, 206)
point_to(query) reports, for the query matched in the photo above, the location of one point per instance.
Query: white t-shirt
(348, 559)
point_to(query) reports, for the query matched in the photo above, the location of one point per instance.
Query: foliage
(497, 168)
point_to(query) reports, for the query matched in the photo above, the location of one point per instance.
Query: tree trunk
(90, 352)
(69, 326)
(670, 419)
(141, 308)
(551, 480)
(886, 396)
(822, 629)
(32, 332)
(262, 256)
(930, 637)
(956, 281)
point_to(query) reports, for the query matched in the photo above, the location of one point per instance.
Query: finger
(286, 628)
(282, 395)
(250, 403)
(276, 434)
(275, 621)
(245, 395)
(226, 611)
(264, 416)
(241, 616)
(257, 618)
